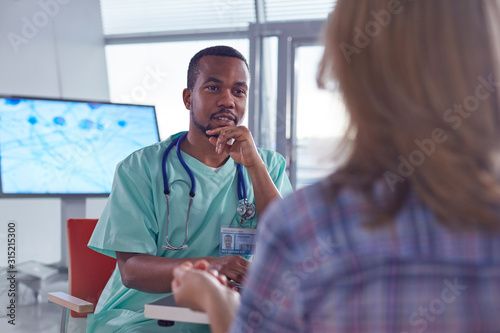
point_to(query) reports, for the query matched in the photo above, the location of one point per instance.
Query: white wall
(48, 48)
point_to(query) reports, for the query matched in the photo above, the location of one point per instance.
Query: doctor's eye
(212, 88)
(240, 92)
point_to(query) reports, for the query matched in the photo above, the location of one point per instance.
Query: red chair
(89, 271)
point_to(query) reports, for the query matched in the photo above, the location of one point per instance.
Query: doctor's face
(228, 241)
(219, 96)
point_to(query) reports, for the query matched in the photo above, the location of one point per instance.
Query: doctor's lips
(225, 118)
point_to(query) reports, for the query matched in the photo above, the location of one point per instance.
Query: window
(153, 16)
(139, 16)
(321, 120)
(291, 10)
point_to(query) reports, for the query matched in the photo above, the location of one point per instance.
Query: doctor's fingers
(227, 135)
(233, 275)
(233, 140)
(244, 152)
(234, 262)
(234, 272)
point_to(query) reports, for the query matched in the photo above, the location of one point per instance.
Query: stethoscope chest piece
(246, 210)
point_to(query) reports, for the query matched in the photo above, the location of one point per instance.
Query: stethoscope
(245, 210)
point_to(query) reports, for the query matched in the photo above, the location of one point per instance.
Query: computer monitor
(56, 147)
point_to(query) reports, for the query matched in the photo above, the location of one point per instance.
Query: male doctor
(133, 227)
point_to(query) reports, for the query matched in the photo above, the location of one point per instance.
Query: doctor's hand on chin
(238, 143)
(202, 289)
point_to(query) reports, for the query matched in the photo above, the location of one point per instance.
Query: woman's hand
(202, 289)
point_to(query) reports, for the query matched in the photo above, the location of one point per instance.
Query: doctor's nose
(226, 100)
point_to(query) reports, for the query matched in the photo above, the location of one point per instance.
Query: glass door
(319, 119)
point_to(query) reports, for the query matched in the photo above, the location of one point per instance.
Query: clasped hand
(237, 142)
(199, 287)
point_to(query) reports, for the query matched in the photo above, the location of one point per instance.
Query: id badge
(237, 241)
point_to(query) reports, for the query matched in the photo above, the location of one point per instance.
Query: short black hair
(220, 51)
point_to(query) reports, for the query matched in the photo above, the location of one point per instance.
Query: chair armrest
(73, 303)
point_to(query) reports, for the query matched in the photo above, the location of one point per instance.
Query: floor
(34, 314)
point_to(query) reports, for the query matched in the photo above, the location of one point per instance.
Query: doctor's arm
(263, 186)
(152, 274)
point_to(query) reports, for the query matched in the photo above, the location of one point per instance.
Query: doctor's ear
(186, 97)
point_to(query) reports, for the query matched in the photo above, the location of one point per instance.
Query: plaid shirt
(319, 269)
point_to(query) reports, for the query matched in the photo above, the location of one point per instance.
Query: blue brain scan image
(68, 147)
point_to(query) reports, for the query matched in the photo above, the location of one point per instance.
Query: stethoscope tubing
(242, 188)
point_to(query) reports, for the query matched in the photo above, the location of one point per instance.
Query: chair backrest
(89, 271)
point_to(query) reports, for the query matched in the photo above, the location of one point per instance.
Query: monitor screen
(59, 147)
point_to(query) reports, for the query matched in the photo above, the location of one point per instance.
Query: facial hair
(203, 128)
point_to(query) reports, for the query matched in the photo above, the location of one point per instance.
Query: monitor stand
(72, 207)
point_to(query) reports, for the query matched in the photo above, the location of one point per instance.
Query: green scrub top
(134, 220)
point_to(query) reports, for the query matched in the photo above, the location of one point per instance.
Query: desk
(166, 309)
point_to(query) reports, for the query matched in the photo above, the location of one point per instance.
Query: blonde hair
(419, 79)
